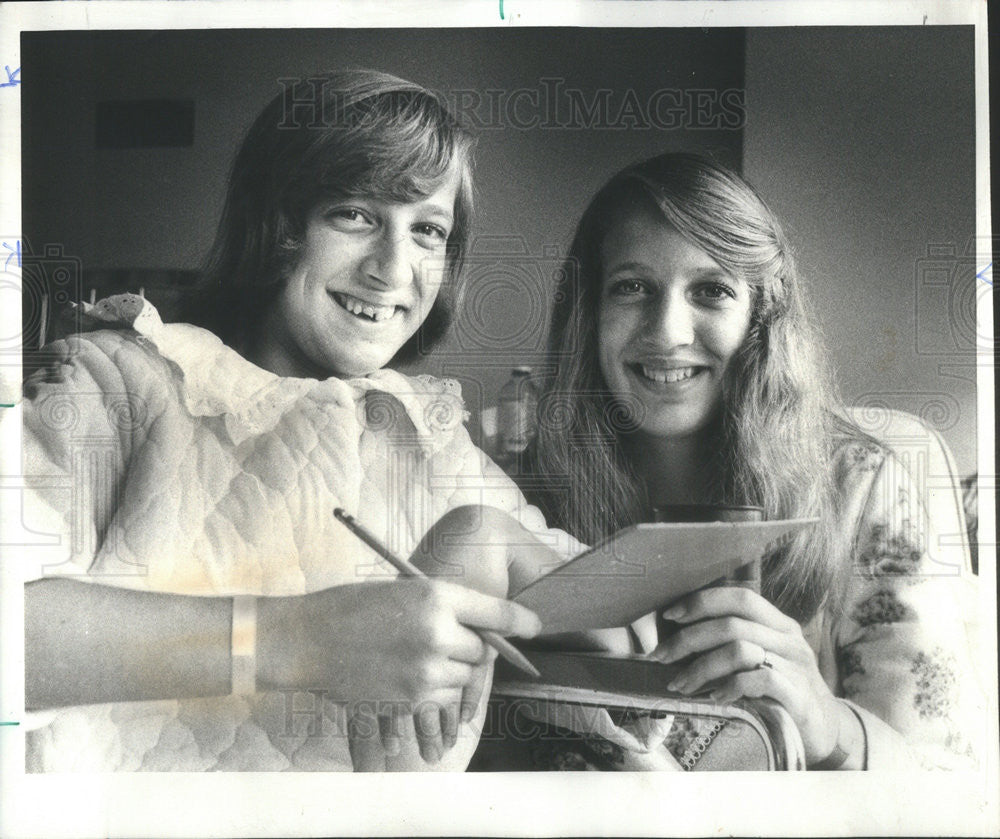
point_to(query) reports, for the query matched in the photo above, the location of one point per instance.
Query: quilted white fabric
(167, 462)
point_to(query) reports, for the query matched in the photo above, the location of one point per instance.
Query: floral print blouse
(902, 649)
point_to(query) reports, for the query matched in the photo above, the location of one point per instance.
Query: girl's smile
(372, 311)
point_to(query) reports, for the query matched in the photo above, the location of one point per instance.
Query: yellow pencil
(500, 644)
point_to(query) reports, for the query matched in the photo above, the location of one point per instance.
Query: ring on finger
(764, 661)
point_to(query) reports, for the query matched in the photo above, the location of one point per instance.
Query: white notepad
(644, 567)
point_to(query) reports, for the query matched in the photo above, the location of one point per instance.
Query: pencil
(499, 643)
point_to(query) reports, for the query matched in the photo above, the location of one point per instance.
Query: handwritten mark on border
(980, 276)
(12, 78)
(15, 251)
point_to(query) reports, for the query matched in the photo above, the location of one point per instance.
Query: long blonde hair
(780, 420)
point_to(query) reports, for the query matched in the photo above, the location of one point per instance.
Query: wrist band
(834, 760)
(864, 734)
(838, 756)
(244, 646)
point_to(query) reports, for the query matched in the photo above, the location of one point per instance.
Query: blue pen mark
(10, 723)
(12, 78)
(15, 251)
(501, 9)
(980, 274)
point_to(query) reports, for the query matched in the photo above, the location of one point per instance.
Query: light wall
(862, 141)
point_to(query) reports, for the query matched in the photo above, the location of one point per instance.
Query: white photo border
(294, 804)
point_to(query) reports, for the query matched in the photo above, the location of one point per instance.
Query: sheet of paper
(643, 567)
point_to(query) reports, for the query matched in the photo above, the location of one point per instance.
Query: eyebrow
(699, 273)
(627, 266)
(440, 213)
(710, 273)
(436, 210)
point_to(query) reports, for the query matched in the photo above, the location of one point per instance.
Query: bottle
(517, 414)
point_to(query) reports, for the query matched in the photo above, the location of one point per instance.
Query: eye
(626, 288)
(432, 234)
(715, 292)
(349, 218)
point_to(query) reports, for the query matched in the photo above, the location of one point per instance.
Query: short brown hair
(367, 132)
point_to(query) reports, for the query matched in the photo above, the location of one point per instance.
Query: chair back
(927, 458)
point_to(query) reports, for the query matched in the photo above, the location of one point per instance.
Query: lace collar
(215, 380)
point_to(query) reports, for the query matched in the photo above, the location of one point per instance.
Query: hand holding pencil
(407, 569)
(435, 724)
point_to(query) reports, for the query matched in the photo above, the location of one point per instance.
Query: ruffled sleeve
(902, 652)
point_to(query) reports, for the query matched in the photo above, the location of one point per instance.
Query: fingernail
(674, 612)
(679, 685)
(468, 712)
(392, 746)
(449, 740)
(721, 697)
(534, 626)
(433, 754)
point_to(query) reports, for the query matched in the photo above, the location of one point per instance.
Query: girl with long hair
(687, 373)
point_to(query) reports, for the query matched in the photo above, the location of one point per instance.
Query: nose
(389, 264)
(670, 322)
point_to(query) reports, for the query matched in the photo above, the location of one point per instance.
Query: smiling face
(366, 278)
(670, 319)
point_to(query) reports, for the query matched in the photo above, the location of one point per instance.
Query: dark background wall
(861, 140)
(158, 207)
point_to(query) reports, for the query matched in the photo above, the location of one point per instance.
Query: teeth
(360, 307)
(677, 374)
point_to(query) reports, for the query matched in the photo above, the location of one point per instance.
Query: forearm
(87, 643)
